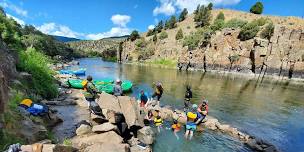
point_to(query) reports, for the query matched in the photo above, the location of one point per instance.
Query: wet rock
(52, 119)
(108, 137)
(63, 148)
(146, 135)
(83, 129)
(64, 102)
(211, 124)
(108, 147)
(105, 127)
(138, 149)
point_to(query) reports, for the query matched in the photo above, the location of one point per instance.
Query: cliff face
(282, 55)
(7, 72)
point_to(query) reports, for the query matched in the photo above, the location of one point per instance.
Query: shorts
(158, 96)
(191, 127)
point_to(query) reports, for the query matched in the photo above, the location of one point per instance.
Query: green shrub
(261, 21)
(220, 16)
(140, 43)
(150, 32)
(267, 32)
(201, 36)
(248, 31)
(179, 35)
(36, 64)
(67, 142)
(163, 35)
(257, 8)
(235, 23)
(217, 25)
(134, 35)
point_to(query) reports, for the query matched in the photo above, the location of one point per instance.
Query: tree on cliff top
(183, 15)
(134, 35)
(203, 16)
(172, 22)
(257, 8)
(159, 26)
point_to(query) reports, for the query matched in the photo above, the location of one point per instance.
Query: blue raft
(75, 72)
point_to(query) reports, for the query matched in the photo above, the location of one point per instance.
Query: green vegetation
(150, 32)
(159, 27)
(172, 22)
(36, 63)
(219, 22)
(257, 8)
(179, 35)
(249, 31)
(267, 32)
(67, 142)
(183, 15)
(134, 35)
(261, 21)
(163, 35)
(203, 15)
(154, 38)
(140, 43)
(164, 62)
(235, 23)
(201, 37)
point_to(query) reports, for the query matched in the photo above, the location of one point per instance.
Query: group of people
(195, 113)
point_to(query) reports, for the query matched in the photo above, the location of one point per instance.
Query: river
(271, 110)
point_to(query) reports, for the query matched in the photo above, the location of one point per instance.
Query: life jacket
(158, 122)
(176, 126)
(84, 83)
(27, 102)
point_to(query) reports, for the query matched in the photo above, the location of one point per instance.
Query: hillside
(223, 49)
(64, 39)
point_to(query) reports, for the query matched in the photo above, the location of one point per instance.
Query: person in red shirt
(203, 110)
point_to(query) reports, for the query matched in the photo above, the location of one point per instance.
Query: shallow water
(270, 110)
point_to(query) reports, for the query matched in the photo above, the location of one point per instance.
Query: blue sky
(95, 19)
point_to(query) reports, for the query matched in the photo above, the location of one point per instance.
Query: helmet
(118, 80)
(89, 78)
(194, 106)
(158, 84)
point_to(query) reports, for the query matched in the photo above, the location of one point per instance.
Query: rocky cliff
(7, 72)
(282, 54)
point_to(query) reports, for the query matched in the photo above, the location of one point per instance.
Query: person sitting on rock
(90, 91)
(158, 91)
(203, 110)
(191, 119)
(143, 98)
(188, 96)
(117, 90)
(176, 127)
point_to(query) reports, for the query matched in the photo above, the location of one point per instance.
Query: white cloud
(151, 27)
(20, 21)
(115, 31)
(59, 30)
(11, 6)
(166, 8)
(120, 20)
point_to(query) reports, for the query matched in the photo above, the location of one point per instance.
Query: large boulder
(32, 132)
(108, 137)
(108, 147)
(105, 127)
(211, 123)
(130, 110)
(110, 102)
(83, 129)
(146, 135)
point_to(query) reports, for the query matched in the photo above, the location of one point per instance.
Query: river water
(270, 110)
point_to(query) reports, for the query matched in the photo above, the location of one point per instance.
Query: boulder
(138, 149)
(130, 110)
(105, 127)
(32, 132)
(146, 135)
(48, 148)
(166, 113)
(98, 119)
(63, 148)
(212, 123)
(83, 129)
(109, 102)
(90, 139)
(27, 148)
(108, 147)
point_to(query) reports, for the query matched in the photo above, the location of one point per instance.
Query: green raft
(105, 85)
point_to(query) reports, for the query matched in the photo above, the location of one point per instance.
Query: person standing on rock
(90, 91)
(188, 97)
(117, 90)
(143, 98)
(191, 119)
(158, 91)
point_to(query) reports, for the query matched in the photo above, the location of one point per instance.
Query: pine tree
(134, 35)
(159, 26)
(197, 9)
(183, 15)
(203, 17)
(220, 16)
(179, 35)
(167, 25)
(172, 22)
(257, 8)
(210, 6)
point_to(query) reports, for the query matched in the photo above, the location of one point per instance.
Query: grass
(164, 62)
(67, 142)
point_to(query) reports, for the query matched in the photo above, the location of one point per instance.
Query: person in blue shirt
(143, 97)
